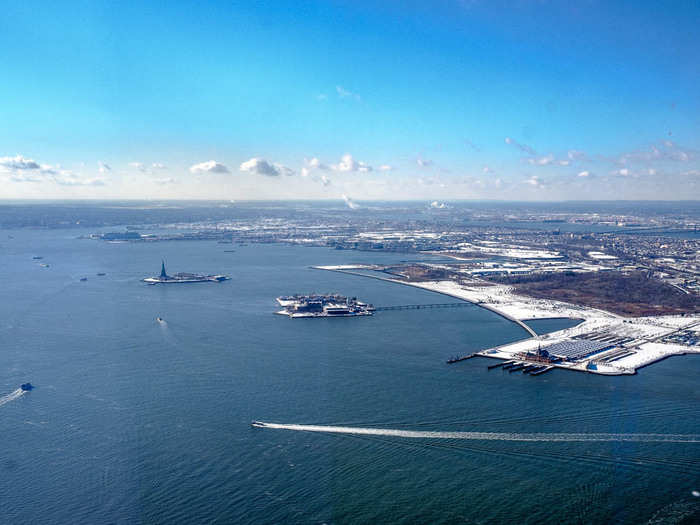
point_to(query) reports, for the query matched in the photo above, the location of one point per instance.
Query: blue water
(139, 422)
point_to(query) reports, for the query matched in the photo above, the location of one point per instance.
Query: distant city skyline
(442, 100)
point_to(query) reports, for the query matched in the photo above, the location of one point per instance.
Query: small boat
(101, 274)
(258, 424)
(83, 279)
(26, 387)
(37, 257)
(160, 319)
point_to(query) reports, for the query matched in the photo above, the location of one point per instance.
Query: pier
(349, 271)
(422, 306)
(542, 371)
(460, 358)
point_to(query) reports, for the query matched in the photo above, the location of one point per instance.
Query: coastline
(448, 294)
(644, 339)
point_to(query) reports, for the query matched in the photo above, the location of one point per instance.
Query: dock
(457, 359)
(542, 371)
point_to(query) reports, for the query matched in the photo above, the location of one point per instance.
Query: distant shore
(635, 342)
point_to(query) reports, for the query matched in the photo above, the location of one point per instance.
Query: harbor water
(139, 421)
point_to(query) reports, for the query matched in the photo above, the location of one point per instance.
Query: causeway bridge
(421, 306)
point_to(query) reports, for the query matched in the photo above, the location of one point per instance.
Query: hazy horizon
(449, 100)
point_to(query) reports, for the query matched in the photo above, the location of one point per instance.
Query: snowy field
(642, 336)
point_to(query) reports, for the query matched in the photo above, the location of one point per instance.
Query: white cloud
(104, 167)
(535, 181)
(315, 163)
(18, 163)
(663, 151)
(385, 167)
(325, 180)
(23, 170)
(522, 147)
(262, 167)
(164, 181)
(584, 174)
(424, 163)
(486, 169)
(344, 93)
(143, 168)
(321, 96)
(542, 161)
(29, 176)
(348, 164)
(72, 180)
(210, 166)
(576, 154)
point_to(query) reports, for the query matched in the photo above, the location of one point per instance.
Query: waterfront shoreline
(646, 335)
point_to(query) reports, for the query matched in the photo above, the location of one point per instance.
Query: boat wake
(485, 436)
(16, 394)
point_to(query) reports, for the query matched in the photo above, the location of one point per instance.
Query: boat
(101, 274)
(258, 424)
(160, 319)
(26, 387)
(83, 279)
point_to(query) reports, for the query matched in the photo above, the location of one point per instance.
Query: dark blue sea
(136, 421)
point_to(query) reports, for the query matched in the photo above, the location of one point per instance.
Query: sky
(449, 100)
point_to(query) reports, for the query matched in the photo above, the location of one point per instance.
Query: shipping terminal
(329, 305)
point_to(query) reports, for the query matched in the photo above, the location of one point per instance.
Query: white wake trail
(485, 436)
(16, 394)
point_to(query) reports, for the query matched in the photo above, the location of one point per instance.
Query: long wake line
(485, 436)
(11, 396)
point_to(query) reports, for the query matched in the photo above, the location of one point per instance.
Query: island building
(331, 305)
(183, 277)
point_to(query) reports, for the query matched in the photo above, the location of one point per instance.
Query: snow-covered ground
(508, 250)
(643, 335)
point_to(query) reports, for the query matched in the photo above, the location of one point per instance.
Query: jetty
(457, 359)
(422, 306)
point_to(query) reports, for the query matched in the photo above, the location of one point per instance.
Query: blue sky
(441, 99)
